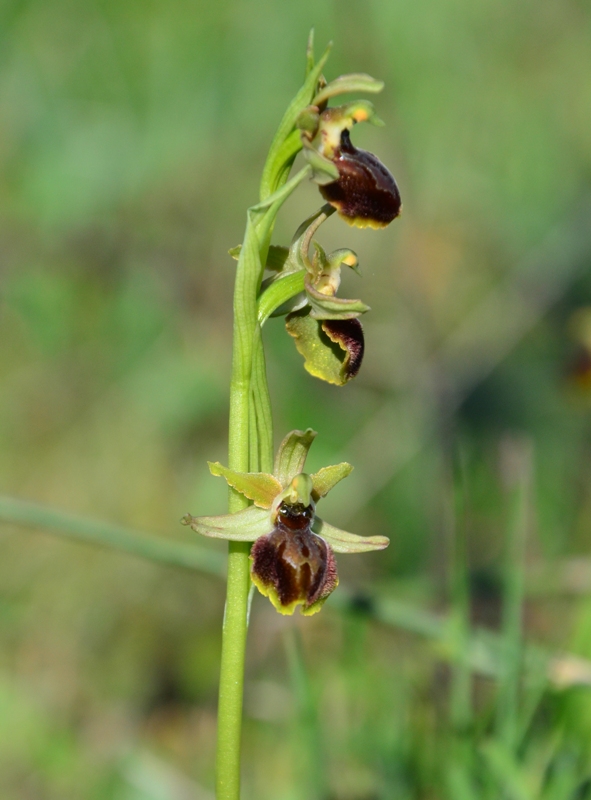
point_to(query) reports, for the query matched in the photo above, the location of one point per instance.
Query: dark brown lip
(294, 562)
(366, 193)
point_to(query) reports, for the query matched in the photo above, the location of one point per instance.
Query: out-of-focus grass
(133, 136)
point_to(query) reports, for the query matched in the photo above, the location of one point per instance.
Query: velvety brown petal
(348, 334)
(292, 565)
(366, 194)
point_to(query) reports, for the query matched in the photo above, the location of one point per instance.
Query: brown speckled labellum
(366, 194)
(292, 565)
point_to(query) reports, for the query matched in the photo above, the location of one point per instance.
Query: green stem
(235, 617)
(250, 444)
(232, 673)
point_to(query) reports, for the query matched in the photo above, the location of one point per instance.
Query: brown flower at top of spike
(292, 556)
(364, 193)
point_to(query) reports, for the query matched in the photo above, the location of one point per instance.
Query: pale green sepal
(235, 252)
(324, 306)
(345, 542)
(243, 526)
(327, 478)
(323, 169)
(323, 358)
(260, 487)
(291, 456)
(285, 156)
(355, 82)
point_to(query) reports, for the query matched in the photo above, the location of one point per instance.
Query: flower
(324, 327)
(364, 193)
(292, 556)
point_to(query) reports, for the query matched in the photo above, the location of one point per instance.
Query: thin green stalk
(250, 443)
(235, 617)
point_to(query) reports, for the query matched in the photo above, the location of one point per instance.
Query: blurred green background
(132, 139)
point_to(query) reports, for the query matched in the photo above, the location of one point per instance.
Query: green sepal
(325, 306)
(323, 169)
(345, 542)
(243, 526)
(323, 358)
(291, 456)
(235, 252)
(281, 296)
(355, 82)
(260, 487)
(327, 478)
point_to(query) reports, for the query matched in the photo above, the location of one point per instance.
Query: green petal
(327, 478)
(299, 491)
(345, 542)
(325, 306)
(260, 487)
(333, 121)
(356, 82)
(291, 456)
(243, 526)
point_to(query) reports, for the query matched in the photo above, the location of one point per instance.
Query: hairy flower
(292, 556)
(353, 181)
(325, 327)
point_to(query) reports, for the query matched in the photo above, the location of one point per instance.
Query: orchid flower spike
(292, 556)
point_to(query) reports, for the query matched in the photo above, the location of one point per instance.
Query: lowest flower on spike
(293, 552)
